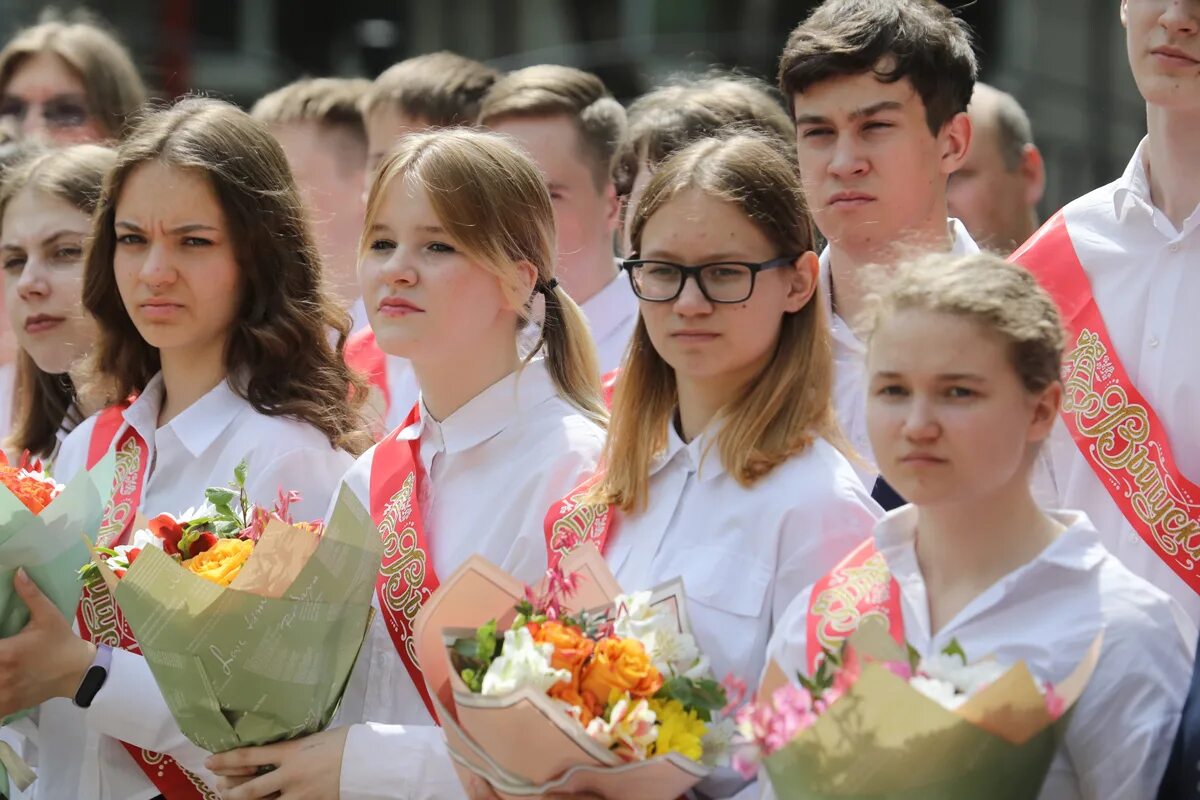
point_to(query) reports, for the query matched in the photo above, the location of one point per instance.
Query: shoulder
(819, 471)
(1094, 208)
(73, 452)
(555, 424)
(1140, 618)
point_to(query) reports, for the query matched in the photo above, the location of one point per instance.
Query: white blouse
(77, 753)
(612, 314)
(1048, 613)
(850, 361)
(743, 553)
(1145, 278)
(493, 468)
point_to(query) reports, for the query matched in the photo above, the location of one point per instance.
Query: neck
(847, 259)
(700, 400)
(965, 546)
(1173, 161)
(584, 279)
(450, 382)
(188, 376)
(89, 398)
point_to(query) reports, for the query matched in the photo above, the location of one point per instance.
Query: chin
(1174, 92)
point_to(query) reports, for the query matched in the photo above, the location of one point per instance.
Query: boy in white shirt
(879, 92)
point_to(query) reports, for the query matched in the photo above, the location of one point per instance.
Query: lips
(40, 323)
(922, 459)
(850, 199)
(398, 307)
(160, 309)
(1173, 56)
(690, 335)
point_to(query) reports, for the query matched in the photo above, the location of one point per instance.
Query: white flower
(205, 509)
(671, 651)
(142, 537)
(966, 678)
(717, 742)
(522, 662)
(939, 691)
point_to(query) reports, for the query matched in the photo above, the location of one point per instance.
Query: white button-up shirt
(493, 468)
(743, 553)
(612, 315)
(1047, 613)
(77, 756)
(850, 361)
(1145, 277)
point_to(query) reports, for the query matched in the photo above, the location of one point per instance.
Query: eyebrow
(717, 258)
(953, 377)
(59, 234)
(189, 228)
(431, 229)
(856, 114)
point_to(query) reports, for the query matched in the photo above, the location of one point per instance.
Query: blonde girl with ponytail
(458, 244)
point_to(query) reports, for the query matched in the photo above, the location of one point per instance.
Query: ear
(1033, 171)
(612, 208)
(525, 279)
(1124, 13)
(1045, 412)
(804, 281)
(955, 140)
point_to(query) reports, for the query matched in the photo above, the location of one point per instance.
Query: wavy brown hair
(46, 402)
(789, 403)
(280, 340)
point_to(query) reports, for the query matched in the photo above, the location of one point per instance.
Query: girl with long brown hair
(459, 242)
(214, 322)
(46, 203)
(722, 463)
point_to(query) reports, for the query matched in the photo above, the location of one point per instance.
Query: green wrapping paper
(240, 669)
(51, 547)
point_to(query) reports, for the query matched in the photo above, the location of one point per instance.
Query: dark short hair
(921, 40)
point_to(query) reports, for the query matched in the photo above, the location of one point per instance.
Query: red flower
(132, 555)
(166, 528)
(203, 542)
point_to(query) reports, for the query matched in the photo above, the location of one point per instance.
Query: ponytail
(571, 353)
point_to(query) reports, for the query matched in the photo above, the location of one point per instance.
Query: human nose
(848, 159)
(156, 269)
(691, 300)
(32, 282)
(921, 423)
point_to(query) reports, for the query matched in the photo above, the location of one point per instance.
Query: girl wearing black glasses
(723, 461)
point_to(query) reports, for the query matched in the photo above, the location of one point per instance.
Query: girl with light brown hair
(214, 322)
(459, 244)
(722, 464)
(68, 80)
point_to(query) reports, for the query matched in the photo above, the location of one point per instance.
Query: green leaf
(955, 649)
(239, 474)
(221, 499)
(486, 646)
(704, 696)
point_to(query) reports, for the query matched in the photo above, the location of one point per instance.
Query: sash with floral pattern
(858, 588)
(573, 521)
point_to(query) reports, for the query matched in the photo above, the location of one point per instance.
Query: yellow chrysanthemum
(679, 730)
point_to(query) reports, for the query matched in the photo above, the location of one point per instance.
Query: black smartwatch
(95, 677)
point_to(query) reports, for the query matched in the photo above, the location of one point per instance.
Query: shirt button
(1154, 341)
(1174, 248)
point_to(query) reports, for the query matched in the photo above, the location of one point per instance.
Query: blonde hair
(1003, 298)
(111, 84)
(778, 413)
(492, 200)
(551, 89)
(443, 88)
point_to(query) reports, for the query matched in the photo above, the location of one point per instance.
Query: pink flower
(1055, 705)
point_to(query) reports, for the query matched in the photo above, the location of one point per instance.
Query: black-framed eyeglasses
(720, 282)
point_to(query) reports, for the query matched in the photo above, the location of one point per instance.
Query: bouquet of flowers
(940, 727)
(250, 623)
(609, 690)
(40, 522)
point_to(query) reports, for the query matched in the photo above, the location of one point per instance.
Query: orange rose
(222, 562)
(620, 665)
(571, 648)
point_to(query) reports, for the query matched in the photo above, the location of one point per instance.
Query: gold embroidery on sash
(581, 522)
(1118, 434)
(404, 564)
(838, 607)
(127, 468)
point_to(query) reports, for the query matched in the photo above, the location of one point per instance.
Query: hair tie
(549, 286)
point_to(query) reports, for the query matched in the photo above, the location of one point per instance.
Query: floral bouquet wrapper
(884, 740)
(40, 526)
(553, 753)
(266, 658)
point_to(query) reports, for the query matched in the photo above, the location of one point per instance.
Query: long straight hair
(46, 403)
(491, 198)
(778, 413)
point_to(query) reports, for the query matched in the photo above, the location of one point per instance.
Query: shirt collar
(611, 307)
(1077, 548)
(197, 426)
(489, 412)
(701, 456)
(1134, 183)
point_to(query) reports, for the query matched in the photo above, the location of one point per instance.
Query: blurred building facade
(1064, 60)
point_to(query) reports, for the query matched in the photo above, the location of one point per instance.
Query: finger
(235, 762)
(225, 783)
(27, 590)
(236, 773)
(258, 788)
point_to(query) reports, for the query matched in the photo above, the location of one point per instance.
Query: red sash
(608, 385)
(570, 522)
(99, 618)
(406, 576)
(861, 586)
(1114, 427)
(364, 355)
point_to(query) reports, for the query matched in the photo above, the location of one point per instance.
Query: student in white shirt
(722, 465)
(459, 242)
(46, 204)
(570, 124)
(208, 294)
(963, 358)
(879, 94)
(1138, 243)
